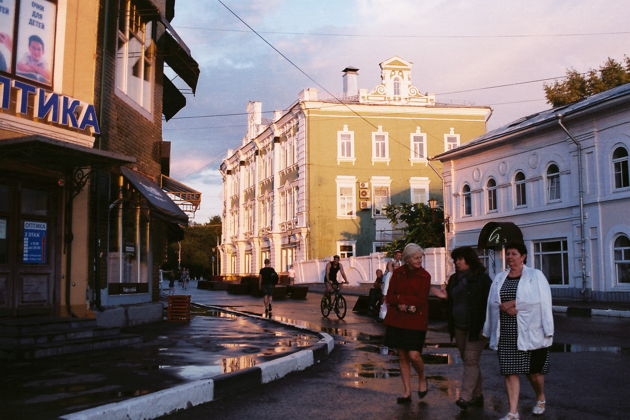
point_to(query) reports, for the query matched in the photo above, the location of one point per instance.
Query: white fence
(363, 269)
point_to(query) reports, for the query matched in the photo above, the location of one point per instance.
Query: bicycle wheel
(325, 306)
(340, 307)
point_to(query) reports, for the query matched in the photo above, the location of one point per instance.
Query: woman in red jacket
(407, 318)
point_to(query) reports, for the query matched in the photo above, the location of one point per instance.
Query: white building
(561, 176)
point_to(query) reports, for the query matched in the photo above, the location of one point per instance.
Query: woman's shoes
(403, 400)
(474, 401)
(423, 394)
(539, 408)
(510, 416)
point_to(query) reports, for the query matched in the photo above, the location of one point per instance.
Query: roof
(544, 117)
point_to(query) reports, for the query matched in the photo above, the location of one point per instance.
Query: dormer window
(397, 87)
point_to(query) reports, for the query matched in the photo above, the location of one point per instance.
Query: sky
(460, 50)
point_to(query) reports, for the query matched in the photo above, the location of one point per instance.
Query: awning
(57, 154)
(496, 234)
(163, 206)
(186, 198)
(178, 56)
(172, 99)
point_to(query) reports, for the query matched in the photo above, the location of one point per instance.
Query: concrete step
(25, 352)
(55, 336)
(12, 327)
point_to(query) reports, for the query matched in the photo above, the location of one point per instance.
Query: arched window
(396, 87)
(492, 194)
(467, 200)
(553, 182)
(519, 189)
(622, 259)
(620, 167)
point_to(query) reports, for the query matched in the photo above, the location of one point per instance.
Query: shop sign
(48, 106)
(34, 242)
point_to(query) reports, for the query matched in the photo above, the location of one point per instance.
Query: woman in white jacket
(519, 324)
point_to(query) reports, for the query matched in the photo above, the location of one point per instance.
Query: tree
(419, 224)
(197, 248)
(577, 86)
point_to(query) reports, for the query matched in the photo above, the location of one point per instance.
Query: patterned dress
(512, 360)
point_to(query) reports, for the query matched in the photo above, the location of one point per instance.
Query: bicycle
(338, 303)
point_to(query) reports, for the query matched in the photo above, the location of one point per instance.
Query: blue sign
(35, 242)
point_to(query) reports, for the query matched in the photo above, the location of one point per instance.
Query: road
(590, 366)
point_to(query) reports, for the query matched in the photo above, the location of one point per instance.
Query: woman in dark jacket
(467, 294)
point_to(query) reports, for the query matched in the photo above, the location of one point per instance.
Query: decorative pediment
(396, 86)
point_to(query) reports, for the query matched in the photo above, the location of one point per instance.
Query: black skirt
(404, 339)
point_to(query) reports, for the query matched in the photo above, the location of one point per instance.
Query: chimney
(254, 118)
(350, 81)
(308, 94)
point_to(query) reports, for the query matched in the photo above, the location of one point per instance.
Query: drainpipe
(581, 195)
(120, 229)
(68, 236)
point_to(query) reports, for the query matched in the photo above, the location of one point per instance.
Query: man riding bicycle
(332, 268)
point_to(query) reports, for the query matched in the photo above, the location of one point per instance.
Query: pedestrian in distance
(375, 296)
(185, 278)
(267, 279)
(389, 270)
(331, 281)
(291, 275)
(408, 317)
(519, 324)
(171, 283)
(467, 295)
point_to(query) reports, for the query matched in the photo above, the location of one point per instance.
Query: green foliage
(419, 224)
(197, 248)
(577, 86)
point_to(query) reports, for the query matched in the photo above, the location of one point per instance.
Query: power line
(424, 36)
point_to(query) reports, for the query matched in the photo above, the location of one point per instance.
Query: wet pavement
(360, 380)
(172, 353)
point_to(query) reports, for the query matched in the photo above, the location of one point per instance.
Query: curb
(591, 312)
(181, 397)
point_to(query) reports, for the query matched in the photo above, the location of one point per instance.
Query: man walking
(267, 279)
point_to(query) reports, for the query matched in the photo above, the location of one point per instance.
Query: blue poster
(35, 242)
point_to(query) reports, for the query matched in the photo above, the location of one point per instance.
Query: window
(135, 56)
(491, 188)
(31, 53)
(418, 146)
(419, 188)
(467, 200)
(553, 183)
(380, 146)
(622, 259)
(381, 199)
(379, 246)
(519, 189)
(552, 258)
(346, 196)
(451, 140)
(345, 145)
(346, 249)
(620, 167)
(396, 87)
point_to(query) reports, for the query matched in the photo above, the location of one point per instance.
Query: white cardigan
(534, 316)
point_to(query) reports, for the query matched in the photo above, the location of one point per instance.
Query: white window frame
(419, 183)
(466, 200)
(142, 101)
(520, 190)
(625, 259)
(346, 202)
(449, 145)
(552, 183)
(385, 135)
(380, 182)
(413, 150)
(619, 166)
(396, 86)
(564, 256)
(341, 157)
(491, 196)
(377, 244)
(344, 254)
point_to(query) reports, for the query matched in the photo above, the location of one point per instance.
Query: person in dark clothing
(267, 279)
(332, 268)
(467, 295)
(375, 298)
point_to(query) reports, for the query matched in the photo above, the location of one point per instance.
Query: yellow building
(313, 181)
